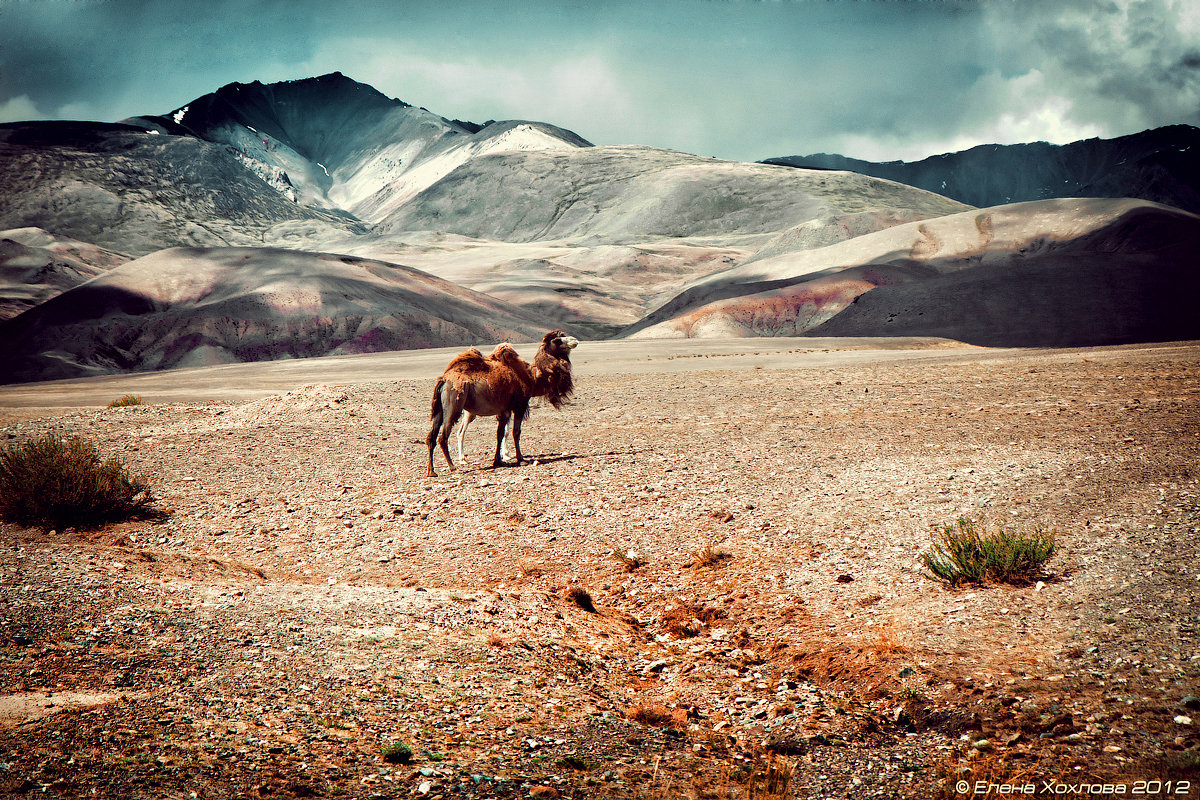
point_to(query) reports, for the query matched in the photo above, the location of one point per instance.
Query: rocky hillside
(631, 194)
(1161, 165)
(1049, 273)
(127, 189)
(36, 265)
(342, 144)
(190, 307)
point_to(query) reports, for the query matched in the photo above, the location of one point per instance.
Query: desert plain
(706, 582)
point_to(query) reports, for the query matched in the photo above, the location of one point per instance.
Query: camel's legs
(519, 414)
(501, 422)
(505, 451)
(462, 433)
(468, 417)
(456, 402)
(436, 415)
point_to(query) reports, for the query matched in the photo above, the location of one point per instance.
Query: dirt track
(311, 596)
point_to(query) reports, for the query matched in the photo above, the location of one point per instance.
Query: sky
(735, 79)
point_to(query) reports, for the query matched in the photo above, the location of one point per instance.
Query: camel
(547, 363)
(499, 385)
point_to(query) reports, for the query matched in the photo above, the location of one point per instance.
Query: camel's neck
(552, 379)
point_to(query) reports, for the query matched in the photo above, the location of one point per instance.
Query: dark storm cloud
(732, 78)
(1125, 64)
(110, 55)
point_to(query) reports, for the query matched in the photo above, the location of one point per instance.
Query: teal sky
(876, 79)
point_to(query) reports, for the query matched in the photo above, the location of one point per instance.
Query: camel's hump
(504, 353)
(470, 360)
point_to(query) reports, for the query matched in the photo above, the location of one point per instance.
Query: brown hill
(1055, 272)
(36, 265)
(199, 306)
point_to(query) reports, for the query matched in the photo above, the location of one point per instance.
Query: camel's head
(552, 367)
(559, 344)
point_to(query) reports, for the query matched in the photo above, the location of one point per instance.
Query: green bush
(127, 400)
(397, 753)
(963, 554)
(56, 483)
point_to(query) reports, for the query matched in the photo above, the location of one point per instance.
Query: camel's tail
(435, 408)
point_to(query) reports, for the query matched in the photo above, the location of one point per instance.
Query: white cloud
(78, 110)
(578, 92)
(1061, 71)
(19, 109)
(1126, 65)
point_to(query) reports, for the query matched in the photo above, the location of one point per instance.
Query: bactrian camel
(499, 385)
(555, 372)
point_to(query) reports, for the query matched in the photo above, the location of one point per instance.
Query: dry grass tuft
(127, 400)
(772, 777)
(530, 570)
(685, 619)
(396, 752)
(962, 553)
(580, 597)
(888, 642)
(657, 715)
(989, 769)
(630, 559)
(709, 557)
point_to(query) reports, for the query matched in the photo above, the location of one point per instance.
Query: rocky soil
(706, 584)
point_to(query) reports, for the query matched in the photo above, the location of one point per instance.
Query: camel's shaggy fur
(500, 385)
(551, 371)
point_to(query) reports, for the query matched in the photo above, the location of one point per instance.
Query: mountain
(618, 195)
(1132, 280)
(338, 143)
(1160, 165)
(450, 233)
(330, 164)
(186, 307)
(128, 189)
(596, 237)
(1047, 273)
(36, 265)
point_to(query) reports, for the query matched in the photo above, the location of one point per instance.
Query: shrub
(709, 557)
(580, 597)
(127, 400)
(396, 753)
(57, 482)
(576, 761)
(630, 559)
(657, 715)
(686, 619)
(962, 553)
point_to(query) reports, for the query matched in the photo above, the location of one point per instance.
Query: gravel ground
(706, 584)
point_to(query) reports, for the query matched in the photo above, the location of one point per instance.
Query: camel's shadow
(551, 458)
